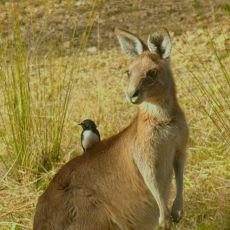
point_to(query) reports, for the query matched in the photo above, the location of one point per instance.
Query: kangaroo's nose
(135, 97)
(132, 95)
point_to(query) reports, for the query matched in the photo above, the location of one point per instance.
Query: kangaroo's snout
(133, 95)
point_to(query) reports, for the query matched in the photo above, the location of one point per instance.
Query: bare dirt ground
(60, 24)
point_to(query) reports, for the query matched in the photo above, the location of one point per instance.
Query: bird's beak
(80, 124)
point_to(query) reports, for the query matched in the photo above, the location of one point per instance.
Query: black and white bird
(90, 135)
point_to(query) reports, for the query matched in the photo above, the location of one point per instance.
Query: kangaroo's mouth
(136, 98)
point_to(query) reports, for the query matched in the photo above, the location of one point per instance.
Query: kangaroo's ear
(160, 42)
(130, 43)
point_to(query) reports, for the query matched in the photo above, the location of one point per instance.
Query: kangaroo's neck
(158, 111)
(152, 115)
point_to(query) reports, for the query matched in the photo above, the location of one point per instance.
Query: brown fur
(124, 182)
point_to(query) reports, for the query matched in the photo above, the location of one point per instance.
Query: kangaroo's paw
(177, 212)
(165, 223)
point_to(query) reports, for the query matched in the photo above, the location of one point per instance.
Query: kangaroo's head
(149, 74)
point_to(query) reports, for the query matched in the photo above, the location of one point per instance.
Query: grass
(35, 106)
(36, 93)
(44, 95)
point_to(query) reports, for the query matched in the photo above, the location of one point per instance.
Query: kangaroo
(124, 182)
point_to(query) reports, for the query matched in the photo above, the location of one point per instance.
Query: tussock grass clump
(36, 89)
(35, 97)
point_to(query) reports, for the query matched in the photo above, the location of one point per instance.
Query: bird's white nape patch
(89, 139)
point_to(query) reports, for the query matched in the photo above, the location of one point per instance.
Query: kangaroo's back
(99, 190)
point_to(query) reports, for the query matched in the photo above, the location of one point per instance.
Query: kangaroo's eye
(128, 73)
(152, 73)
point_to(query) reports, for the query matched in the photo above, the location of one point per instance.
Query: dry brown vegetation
(60, 63)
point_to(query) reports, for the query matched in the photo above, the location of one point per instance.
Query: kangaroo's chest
(160, 138)
(156, 149)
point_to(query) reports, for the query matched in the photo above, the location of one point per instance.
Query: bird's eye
(128, 73)
(152, 73)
